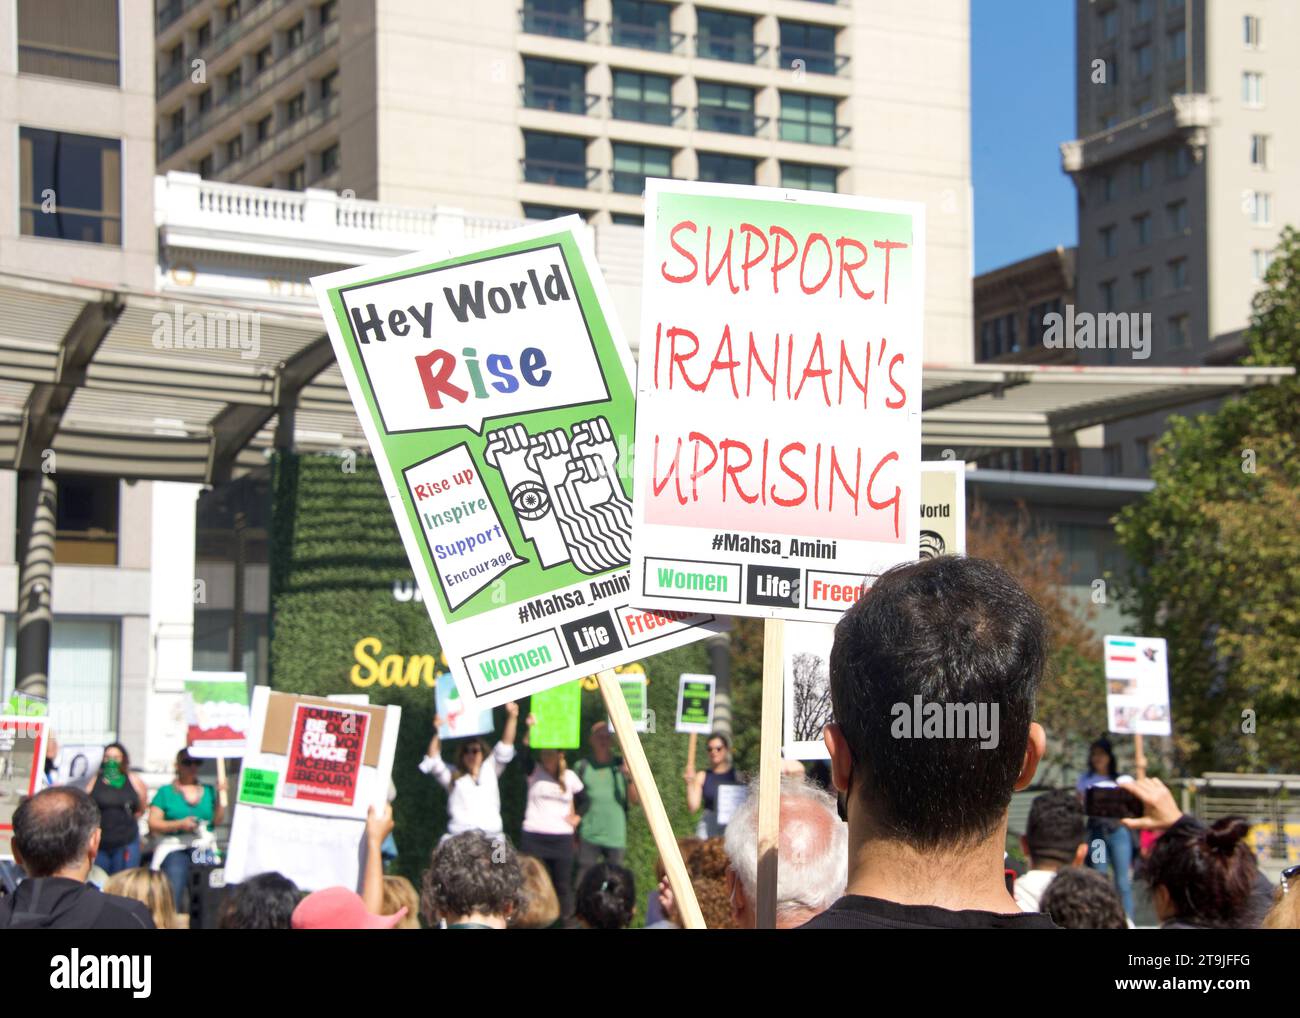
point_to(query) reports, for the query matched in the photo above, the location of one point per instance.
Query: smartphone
(1112, 803)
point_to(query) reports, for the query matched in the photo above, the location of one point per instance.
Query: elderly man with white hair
(813, 853)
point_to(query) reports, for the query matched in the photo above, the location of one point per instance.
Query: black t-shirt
(857, 912)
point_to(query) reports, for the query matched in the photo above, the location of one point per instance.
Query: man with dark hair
(263, 902)
(1055, 838)
(56, 838)
(934, 674)
(1083, 899)
(473, 882)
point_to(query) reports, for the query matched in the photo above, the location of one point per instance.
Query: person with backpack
(607, 791)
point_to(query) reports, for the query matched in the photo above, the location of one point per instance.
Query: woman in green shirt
(177, 810)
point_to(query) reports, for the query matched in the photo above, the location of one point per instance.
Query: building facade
(538, 108)
(1186, 168)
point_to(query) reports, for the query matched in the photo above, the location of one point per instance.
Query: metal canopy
(88, 373)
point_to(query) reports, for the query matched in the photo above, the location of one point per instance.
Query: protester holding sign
(702, 786)
(473, 796)
(121, 797)
(608, 789)
(180, 809)
(550, 817)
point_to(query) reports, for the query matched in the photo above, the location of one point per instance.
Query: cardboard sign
(494, 388)
(558, 713)
(695, 704)
(312, 767)
(459, 719)
(943, 508)
(216, 713)
(1137, 685)
(22, 762)
(729, 798)
(778, 442)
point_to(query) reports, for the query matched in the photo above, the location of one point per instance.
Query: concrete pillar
(37, 503)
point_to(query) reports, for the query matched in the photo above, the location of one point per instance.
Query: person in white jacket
(473, 798)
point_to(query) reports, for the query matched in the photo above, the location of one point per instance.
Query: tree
(812, 696)
(1215, 556)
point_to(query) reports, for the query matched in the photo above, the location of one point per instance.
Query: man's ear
(93, 848)
(841, 758)
(1035, 750)
(1080, 854)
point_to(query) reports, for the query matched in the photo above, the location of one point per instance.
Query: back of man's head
(1056, 827)
(472, 874)
(53, 828)
(813, 850)
(960, 636)
(1082, 899)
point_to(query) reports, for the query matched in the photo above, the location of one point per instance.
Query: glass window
(558, 159)
(725, 36)
(235, 148)
(1106, 291)
(75, 39)
(265, 127)
(812, 44)
(642, 25)
(1142, 285)
(1178, 162)
(724, 169)
(543, 212)
(643, 97)
(296, 179)
(293, 36)
(1176, 333)
(1106, 187)
(555, 85)
(329, 12)
(205, 167)
(809, 177)
(1260, 204)
(86, 521)
(1250, 30)
(1142, 230)
(1142, 60)
(1178, 274)
(1177, 46)
(1109, 23)
(808, 118)
(1145, 172)
(295, 107)
(1106, 237)
(1260, 260)
(561, 18)
(627, 219)
(83, 682)
(265, 57)
(70, 186)
(726, 108)
(1176, 218)
(329, 86)
(234, 81)
(205, 100)
(1252, 88)
(1259, 151)
(1142, 11)
(633, 163)
(329, 160)
(203, 35)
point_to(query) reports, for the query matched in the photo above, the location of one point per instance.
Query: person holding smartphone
(177, 810)
(1116, 843)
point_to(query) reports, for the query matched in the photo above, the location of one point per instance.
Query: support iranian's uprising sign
(779, 399)
(495, 391)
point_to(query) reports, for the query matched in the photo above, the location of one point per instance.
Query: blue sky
(1022, 108)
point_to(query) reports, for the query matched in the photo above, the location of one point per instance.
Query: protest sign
(729, 799)
(778, 428)
(459, 719)
(494, 388)
(22, 761)
(943, 508)
(695, 704)
(216, 713)
(312, 767)
(632, 680)
(1137, 685)
(558, 715)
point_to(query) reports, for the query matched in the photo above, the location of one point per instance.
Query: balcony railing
(560, 26)
(170, 11)
(560, 100)
(645, 112)
(657, 38)
(815, 61)
(721, 119)
(736, 51)
(811, 134)
(228, 36)
(630, 181)
(547, 171)
(282, 139)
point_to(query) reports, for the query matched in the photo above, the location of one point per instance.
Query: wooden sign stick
(222, 795)
(1140, 757)
(769, 771)
(660, 827)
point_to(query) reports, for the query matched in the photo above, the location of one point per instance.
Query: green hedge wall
(335, 556)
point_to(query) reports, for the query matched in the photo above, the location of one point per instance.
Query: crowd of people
(911, 833)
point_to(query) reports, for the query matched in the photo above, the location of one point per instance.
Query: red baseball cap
(337, 908)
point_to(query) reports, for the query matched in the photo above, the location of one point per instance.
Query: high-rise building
(1186, 168)
(536, 108)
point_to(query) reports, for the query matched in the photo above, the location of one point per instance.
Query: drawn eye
(530, 500)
